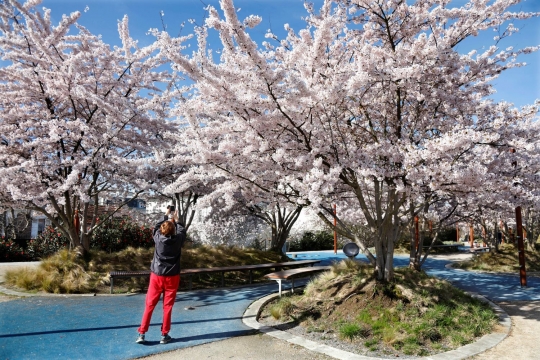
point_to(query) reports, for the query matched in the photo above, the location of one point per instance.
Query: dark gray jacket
(168, 249)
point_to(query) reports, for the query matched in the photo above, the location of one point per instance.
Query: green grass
(349, 331)
(412, 315)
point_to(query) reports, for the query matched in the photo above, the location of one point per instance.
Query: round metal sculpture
(351, 250)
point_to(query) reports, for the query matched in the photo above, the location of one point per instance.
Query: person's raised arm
(158, 224)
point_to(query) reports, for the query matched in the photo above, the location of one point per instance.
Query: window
(40, 226)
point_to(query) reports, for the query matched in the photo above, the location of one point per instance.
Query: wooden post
(416, 233)
(501, 228)
(335, 232)
(76, 222)
(521, 248)
(457, 232)
(471, 235)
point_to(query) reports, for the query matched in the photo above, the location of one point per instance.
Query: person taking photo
(169, 237)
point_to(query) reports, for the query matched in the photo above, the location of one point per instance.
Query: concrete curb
(486, 342)
(6, 291)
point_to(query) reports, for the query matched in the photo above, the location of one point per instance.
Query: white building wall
(35, 224)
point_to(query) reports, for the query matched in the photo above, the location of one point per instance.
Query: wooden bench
(451, 247)
(189, 272)
(291, 274)
(478, 250)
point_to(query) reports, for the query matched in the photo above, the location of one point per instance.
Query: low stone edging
(486, 342)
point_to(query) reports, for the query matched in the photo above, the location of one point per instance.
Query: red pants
(168, 285)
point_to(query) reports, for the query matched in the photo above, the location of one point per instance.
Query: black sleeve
(180, 233)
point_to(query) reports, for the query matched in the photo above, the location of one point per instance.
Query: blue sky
(519, 86)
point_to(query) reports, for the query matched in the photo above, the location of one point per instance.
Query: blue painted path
(105, 327)
(496, 287)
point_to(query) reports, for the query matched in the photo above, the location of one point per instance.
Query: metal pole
(335, 233)
(521, 248)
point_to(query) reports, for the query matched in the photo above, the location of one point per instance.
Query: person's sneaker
(165, 339)
(140, 339)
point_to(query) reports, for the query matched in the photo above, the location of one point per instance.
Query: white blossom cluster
(371, 107)
(76, 122)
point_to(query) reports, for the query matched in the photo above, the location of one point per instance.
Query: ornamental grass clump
(351, 330)
(412, 315)
(63, 273)
(66, 272)
(506, 259)
(283, 308)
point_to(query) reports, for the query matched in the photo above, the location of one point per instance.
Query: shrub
(448, 234)
(258, 244)
(11, 251)
(311, 241)
(49, 242)
(119, 233)
(114, 235)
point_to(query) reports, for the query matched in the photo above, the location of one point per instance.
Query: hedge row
(114, 235)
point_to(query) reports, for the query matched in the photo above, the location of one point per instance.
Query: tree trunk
(281, 222)
(184, 203)
(389, 232)
(413, 261)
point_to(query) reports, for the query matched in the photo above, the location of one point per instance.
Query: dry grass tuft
(506, 260)
(61, 273)
(66, 272)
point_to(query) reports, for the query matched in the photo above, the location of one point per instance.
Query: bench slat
(223, 269)
(129, 273)
(442, 246)
(287, 274)
(480, 249)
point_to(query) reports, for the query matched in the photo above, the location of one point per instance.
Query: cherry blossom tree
(372, 101)
(78, 118)
(174, 183)
(241, 198)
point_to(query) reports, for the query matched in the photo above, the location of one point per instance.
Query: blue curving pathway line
(496, 287)
(105, 327)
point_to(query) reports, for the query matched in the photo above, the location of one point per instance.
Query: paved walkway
(104, 327)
